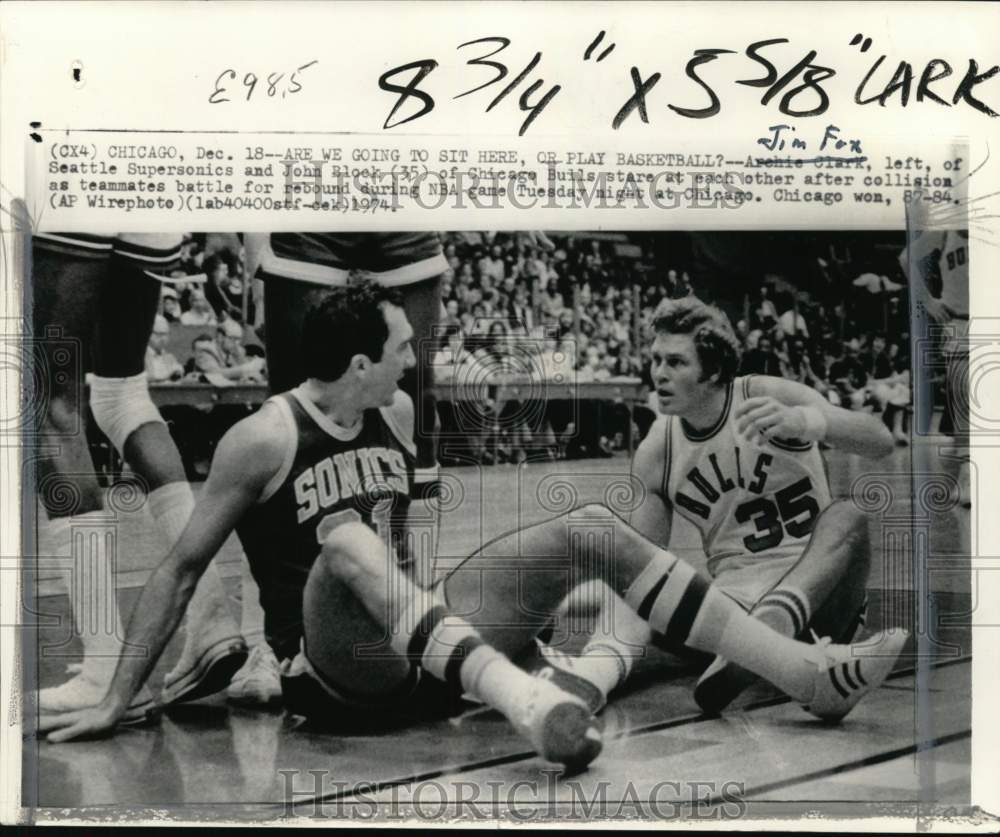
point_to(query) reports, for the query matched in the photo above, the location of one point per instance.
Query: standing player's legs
(422, 304)
(824, 592)
(213, 649)
(68, 274)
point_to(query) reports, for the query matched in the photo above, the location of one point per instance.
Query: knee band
(121, 406)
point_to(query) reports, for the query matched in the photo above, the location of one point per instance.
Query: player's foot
(206, 674)
(559, 726)
(720, 684)
(258, 683)
(558, 668)
(846, 673)
(83, 691)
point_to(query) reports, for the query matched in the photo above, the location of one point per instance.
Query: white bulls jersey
(752, 503)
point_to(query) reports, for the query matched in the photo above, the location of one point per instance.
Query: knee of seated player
(849, 525)
(594, 513)
(353, 551)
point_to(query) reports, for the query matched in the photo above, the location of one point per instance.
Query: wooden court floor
(662, 759)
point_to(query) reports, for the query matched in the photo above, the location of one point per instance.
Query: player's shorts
(391, 259)
(154, 253)
(748, 584)
(307, 693)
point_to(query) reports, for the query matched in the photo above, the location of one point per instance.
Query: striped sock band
(439, 642)
(668, 594)
(792, 602)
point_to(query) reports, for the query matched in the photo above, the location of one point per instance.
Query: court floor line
(684, 720)
(857, 764)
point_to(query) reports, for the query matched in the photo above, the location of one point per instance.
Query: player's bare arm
(247, 457)
(783, 409)
(654, 515)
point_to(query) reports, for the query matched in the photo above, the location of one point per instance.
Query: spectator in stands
(847, 374)
(450, 364)
(192, 255)
(761, 360)
(799, 367)
(223, 289)
(764, 309)
(519, 309)
(492, 266)
(875, 359)
(170, 304)
(450, 318)
(792, 321)
(898, 396)
(743, 335)
(218, 361)
(229, 337)
(201, 313)
(451, 356)
(161, 365)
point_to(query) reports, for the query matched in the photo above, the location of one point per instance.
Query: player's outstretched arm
(246, 458)
(789, 410)
(653, 516)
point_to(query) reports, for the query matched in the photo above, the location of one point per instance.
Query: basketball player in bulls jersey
(739, 458)
(317, 485)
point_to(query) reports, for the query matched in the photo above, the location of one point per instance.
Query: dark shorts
(391, 259)
(155, 253)
(420, 697)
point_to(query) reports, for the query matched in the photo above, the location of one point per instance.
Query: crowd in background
(567, 309)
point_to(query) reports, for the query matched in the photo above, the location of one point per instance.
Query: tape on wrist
(816, 424)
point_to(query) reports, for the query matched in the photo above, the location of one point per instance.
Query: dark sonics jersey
(330, 475)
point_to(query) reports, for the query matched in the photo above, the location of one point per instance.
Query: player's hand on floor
(93, 722)
(767, 418)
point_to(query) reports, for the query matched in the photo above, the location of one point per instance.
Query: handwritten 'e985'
(275, 84)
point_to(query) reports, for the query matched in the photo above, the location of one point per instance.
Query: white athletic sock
(786, 609)
(89, 539)
(171, 506)
(682, 607)
(451, 650)
(619, 637)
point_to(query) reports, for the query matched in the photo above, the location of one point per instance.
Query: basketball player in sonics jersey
(947, 254)
(739, 458)
(101, 292)
(316, 484)
(296, 268)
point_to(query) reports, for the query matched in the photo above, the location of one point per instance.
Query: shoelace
(821, 657)
(261, 662)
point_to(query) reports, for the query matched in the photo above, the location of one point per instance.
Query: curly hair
(342, 323)
(715, 342)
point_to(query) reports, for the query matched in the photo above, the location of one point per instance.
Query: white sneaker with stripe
(846, 673)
